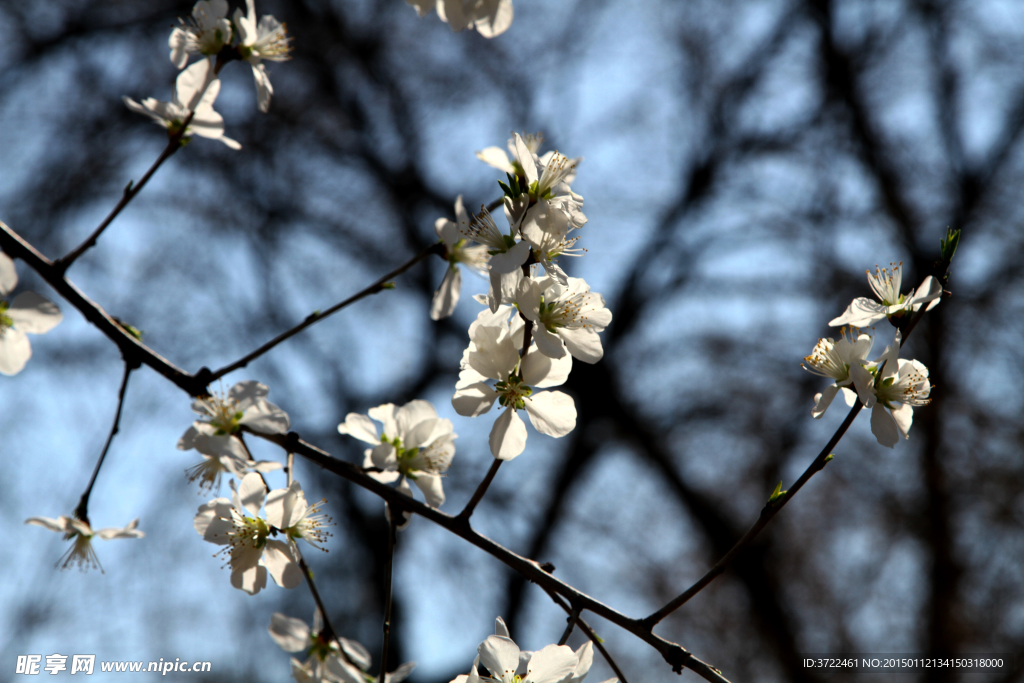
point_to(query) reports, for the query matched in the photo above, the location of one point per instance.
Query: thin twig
(480, 491)
(388, 566)
(317, 316)
(574, 616)
(82, 511)
(589, 633)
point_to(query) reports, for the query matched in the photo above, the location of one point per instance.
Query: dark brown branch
(480, 491)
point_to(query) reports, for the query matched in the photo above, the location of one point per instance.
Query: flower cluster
(489, 17)
(504, 662)
(211, 34)
(27, 313)
(889, 386)
(535, 324)
(414, 445)
(218, 437)
(81, 553)
(251, 544)
(331, 659)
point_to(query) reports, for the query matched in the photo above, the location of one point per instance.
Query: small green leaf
(388, 285)
(777, 493)
(829, 457)
(949, 244)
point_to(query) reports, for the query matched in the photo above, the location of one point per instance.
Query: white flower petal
(551, 664)
(500, 656)
(547, 343)
(884, 427)
(542, 371)
(496, 157)
(495, 18)
(552, 413)
(862, 312)
(360, 427)
(281, 564)
(583, 343)
(251, 493)
(8, 275)
(447, 295)
(251, 580)
(291, 634)
(431, 486)
(15, 351)
(508, 435)
(474, 399)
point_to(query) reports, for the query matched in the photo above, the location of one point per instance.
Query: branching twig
(589, 632)
(318, 315)
(388, 566)
(82, 511)
(480, 491)
(574, 616)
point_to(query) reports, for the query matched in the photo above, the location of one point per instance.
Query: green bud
(388, 285)
(777, 493)
(829, 457)
(506, 189)
(949, 244)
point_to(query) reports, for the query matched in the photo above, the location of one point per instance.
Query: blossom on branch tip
(326, 660)
(267, 40)
(414, 444)
(251, 551)
(81, 552)
(490, 18)
(493, 354)
(843, 361)
(195, 90)
(886, 284)
(27, 313)
(496, 157)
(565, 317)
(506, 663)
(206, 32)
(458, 250)
(902, 386)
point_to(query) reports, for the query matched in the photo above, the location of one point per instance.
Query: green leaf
(949, 244)
(777, 493)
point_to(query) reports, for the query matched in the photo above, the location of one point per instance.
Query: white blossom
(459, 250)
(892, 397)
(490, 18)
(195, 90)
(496, 157)
(206, 32)
(493, 354)
(842, 361)
(251, 551)
(256, 42)
(289, 512)
(326, 660)
(886, 284)
(81, 552)
(565, 317)
(414, 444)
(507, 255)
(27, 313)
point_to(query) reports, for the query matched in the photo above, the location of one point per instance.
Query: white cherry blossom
(507, 255)
(206, 32)
(326, 660)
(27, 313)
(892, 397)
(493, 354)
(414, 444)
(81, 553)
(251, 551)
(289, 512)
(886, 284)
(565, 317)
(459, 250)
(267, 40)
(496, 157)
(490, 18)
(195, 90)
(842, 361)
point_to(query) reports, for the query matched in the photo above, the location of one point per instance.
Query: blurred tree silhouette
(745, 162)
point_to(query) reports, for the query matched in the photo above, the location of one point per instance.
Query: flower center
(513, 393)
(5, 320)
(224, 413)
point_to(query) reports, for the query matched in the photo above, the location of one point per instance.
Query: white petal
(500, 656)
(422, 6)
(8, 275)
(547, 343)
(383, 457)
(191, 84)
(543, 371)
(360, 427)
(584, 344)
(264, 90)
(585, 659)
(474, 400)
(212, 521)
(496, 20)
(399, 674)
(281, 564)
(430, 485)
(511, 259)
(251, 580)
(883, 426)
(552, 664)
(410, 415)
(33, 313)
(552, 413)
(285, 507)
(15, 351)
(291, 634)
(496, 157)
(861, 313)
(447, 295)
(500, 629)
(823, 400)
(251, 493)
(508, 435)
(452, 12)
(864, 383)
(129, 531)
(904, 417)
(525, 157)
(60, 524)
(385, 414)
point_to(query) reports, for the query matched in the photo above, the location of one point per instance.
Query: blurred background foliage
(745, 162)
